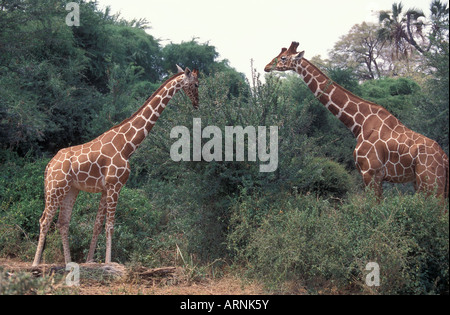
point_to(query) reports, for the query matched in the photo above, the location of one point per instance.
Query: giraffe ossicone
(386, 150)
(101, 166)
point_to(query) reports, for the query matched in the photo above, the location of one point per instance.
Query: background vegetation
(308, 223)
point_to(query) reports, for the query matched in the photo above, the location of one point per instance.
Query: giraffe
(386, 150)
(102, 166)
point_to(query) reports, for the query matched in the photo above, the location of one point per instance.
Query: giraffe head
(190, 84)
(286, 60)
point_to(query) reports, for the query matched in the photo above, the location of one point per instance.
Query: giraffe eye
(283, 58)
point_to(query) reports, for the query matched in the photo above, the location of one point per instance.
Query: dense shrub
(21, 203)
(23, 284)
(301, 238)
(324, 178)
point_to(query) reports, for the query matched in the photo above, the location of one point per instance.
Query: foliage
(23, 284)
(291, 240)
(325, 178)
(361, 50)
(189, 54)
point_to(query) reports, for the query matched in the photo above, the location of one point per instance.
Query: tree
(190, 54)
(408, 30)
(396, 32)
(435, 107)
(361, 50)
(58, 80)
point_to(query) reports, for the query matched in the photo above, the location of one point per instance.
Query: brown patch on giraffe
(333, 109)
(347, 119)
(356, 130)
(95, 171)
(338, 98)
(125, 127)
(127, 150)
(82, 176)
(83, 158)
(364, 147)
(107, 137)
(391, 121)
(154, 117)
(119, 141)
(118, 160)
(359, 118)
(351, 109)
(108, 150)
(364, 110)
(130, 134)
(313, 86)
(139, 123)
(96, 146)
(147, 112)
(385, 130)
(395, 135)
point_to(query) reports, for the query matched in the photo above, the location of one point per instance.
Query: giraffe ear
(299, 55)
(187, 72)
(179, 69)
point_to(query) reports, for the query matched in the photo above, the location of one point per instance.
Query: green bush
(308, 240)
(407, 236)
(22, 191)
(23, 284)
(324, 178)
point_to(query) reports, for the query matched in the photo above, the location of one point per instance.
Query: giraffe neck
(340, 102)
(130, 133)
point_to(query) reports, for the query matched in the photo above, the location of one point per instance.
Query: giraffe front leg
(98, 225)
(111, 203)
(64, 220)
(369, 167)
(374, 181)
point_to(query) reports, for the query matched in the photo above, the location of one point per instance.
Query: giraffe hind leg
(52, 203)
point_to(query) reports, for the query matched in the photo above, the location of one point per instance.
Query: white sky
(245, 29)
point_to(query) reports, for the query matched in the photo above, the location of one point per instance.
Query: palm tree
(400, 30)
(439, 20)
(403, 31)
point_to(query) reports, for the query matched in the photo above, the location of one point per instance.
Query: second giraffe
(386, 150)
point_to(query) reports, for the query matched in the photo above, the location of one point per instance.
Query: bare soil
(116, 279)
